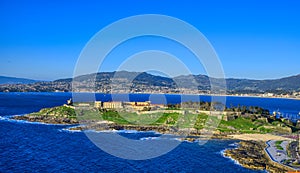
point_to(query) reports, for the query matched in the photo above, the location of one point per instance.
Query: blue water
(289, 108)
(16, 103)
(33, 147)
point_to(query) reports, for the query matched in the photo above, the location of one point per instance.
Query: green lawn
(197, 121)
(239, 124)
(129, 118)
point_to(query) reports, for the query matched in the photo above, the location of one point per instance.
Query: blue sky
(253, 39)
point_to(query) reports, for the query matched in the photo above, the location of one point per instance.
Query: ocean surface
(37, 147)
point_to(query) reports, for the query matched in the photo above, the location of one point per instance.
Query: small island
(254, 126)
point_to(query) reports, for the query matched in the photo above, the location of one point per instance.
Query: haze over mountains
(125, 81)
(14, 80)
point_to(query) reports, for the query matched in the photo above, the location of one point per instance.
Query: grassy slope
(183, 121)
(60, 111)
(242, 125)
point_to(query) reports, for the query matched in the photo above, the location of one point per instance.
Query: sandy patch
(258, 137)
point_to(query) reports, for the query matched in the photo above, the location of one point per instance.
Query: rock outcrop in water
(251, 154)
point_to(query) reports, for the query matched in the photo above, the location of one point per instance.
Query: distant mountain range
(14, 80)
(125, 81)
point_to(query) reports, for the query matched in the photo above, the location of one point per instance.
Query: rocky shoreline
(251, 155)
(47, 119)
(163, 129)
(187, 134)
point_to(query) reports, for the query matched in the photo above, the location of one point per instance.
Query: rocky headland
(56, 115)
(252, 155)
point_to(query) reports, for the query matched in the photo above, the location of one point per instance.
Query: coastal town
(67, 87)
(134, 82)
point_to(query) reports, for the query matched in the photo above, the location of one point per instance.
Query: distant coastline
(221, 95)
(136, 82)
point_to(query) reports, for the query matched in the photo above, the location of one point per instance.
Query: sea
(38, 147)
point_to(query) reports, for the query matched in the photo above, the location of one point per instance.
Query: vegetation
(60, 111)
(167, 119)
(130, 118)
(252, 120)
(278, 145)
(201, 119)
(197, 121)
(239, 124)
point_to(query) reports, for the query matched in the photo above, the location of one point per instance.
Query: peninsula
(254, 126)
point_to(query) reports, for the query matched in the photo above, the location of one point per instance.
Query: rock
(77, 128)
(47, 119)
(251, 154)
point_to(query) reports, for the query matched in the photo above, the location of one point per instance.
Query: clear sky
(253, 38)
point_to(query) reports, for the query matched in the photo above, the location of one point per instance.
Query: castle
(135, 106)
